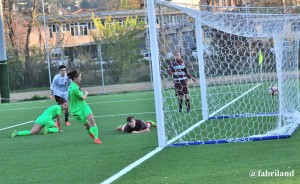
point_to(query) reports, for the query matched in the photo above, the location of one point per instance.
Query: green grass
(72, 157)
(223, 163)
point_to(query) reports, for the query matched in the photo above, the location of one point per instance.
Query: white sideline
(72, 118)
(112, 115)
(16, 125)
(145, 99)
(131, 166)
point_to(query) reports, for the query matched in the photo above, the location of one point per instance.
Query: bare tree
(31, 22)
(8, 5)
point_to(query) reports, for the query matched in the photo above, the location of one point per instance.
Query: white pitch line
(42, 101)
(131, 166)
(119, 101)
(24, 102)
(112, 115)
(24, 108)
(109, 115)
(16, 125)
(29, 108)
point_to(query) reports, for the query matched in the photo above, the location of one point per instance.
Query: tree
(30, 24)
(124, 4)
(8, 4)
(121, 42)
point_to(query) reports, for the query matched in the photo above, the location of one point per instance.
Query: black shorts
(57, 98)
(181, 87)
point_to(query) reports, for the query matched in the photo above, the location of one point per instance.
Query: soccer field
(72, 157)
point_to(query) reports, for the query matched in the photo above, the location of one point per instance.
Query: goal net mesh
(236, 55)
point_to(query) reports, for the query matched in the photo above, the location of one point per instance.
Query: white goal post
(235, 54)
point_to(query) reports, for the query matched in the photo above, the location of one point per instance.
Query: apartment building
(70, 35)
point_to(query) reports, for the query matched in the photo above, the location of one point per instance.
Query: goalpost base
(278, 133)
(222, 141)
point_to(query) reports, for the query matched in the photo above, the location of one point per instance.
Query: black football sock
(66, 117)
(187, 103)
(180, 105)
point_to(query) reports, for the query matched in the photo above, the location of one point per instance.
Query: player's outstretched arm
(194, 79)
(141, 131)
(58, 124)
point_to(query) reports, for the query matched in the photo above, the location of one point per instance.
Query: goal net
(236, 55)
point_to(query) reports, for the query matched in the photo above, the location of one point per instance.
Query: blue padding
(221, 141)
(243, 115)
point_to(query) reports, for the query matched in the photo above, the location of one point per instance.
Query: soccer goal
(237, 55)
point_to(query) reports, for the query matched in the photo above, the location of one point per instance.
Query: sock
(153, 124)
(90, 134)
(53, 130)
(66, 117)
(24, 132)
(119, 127)
(94, 131)
(180, 105)
(187, 103)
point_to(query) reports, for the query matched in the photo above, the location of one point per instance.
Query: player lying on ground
(45, 120)
(136, 126)
(78, 107)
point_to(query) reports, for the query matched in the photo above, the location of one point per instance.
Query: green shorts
(82, 117)
(45, 121)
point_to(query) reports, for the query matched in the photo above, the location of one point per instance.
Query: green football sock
(24, 132)
(53, 130)
(119, 127)
(94, 131)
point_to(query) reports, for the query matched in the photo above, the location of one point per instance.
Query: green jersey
(52, 112)
(76, 102)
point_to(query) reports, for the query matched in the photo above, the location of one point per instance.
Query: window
(118, 21)
(66, 27)
(74, 29)
(83, 29)
(166, 20)
(91, 25)
(157, 21)
(55, 28)
(50, 32)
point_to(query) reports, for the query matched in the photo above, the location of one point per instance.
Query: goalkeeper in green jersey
(78, 107)
(45, 120)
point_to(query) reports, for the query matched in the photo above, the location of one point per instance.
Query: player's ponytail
(73, 74)
(61, 101)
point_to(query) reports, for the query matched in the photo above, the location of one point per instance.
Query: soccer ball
(170, 56)
(273, 90)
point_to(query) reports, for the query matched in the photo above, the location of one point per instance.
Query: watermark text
(271, 173)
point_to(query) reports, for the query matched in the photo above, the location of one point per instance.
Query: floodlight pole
(99, 51)
(46, 43)
(4, 84)
(2, 40)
